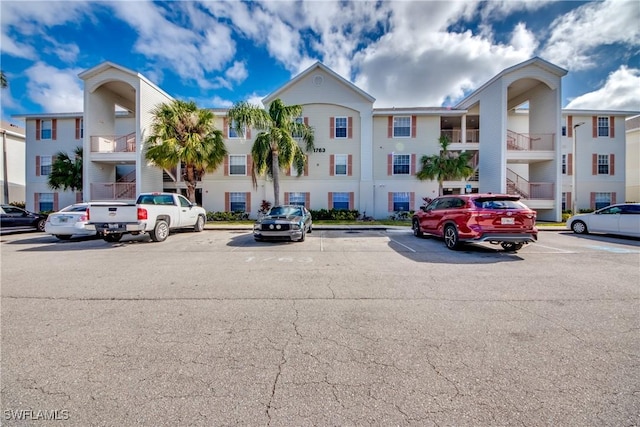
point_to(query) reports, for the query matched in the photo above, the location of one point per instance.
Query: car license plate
(507, 221)
(114, 226)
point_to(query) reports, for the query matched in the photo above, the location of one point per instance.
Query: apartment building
(12, 163)
(365, 157)
(633, 159)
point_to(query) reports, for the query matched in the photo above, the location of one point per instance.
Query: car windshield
(499, 204)
(74, 208)
(285, 211)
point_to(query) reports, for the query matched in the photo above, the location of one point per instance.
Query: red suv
(493, 218)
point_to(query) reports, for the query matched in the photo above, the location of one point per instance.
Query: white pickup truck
(153, 213)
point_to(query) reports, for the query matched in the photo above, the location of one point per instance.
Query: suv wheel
(511, 247)
(416, 228)
(451, 237)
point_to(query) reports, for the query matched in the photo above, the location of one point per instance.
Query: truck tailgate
(116, 213)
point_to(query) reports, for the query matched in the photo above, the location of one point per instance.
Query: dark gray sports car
(285, 222)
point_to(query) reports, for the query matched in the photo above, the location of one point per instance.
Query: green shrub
(334, 214)
(18, 204)
(227, 216)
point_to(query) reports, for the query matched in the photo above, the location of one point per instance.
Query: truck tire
(160, 231)
(112, 237)
(199, 224)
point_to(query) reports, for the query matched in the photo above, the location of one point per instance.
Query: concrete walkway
(231, 226)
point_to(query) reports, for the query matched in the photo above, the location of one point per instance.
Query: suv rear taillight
(88, 214)
(142, 213)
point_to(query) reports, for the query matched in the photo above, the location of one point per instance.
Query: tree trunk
(276, 177)
(191, 184)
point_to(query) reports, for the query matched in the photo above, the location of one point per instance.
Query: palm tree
(66, 171)
(445, 166)
(3, 80)
(183, 134)
(275, 147)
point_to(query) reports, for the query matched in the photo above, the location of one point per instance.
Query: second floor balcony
(113, 143)
(113, 191)
(455, 135)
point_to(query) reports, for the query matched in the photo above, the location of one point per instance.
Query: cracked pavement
(343, 329)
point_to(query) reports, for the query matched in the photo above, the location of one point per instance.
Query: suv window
(498, 204)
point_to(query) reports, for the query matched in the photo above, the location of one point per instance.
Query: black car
(14, 217)
(285, 222)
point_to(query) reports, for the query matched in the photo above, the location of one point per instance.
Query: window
(402, 127)
(341, 164)
(299, 121)
(238, 165)
(45, 165)
(340, 201)
(564, 131)
(298, 199)
(232, 130)
(602, 200)
(46, 128)
(184, 202)
(401, 201)
(238, 202)
(564, 201)
(603, 164)
(564, 164)
(79, 128)
(401, 164)
(45, 202)
(341, 127)
(603, 126)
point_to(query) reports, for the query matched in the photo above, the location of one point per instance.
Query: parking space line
(403, 245)
(538, 245)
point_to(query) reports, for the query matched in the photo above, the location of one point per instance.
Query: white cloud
(54, 89)
(621, 91)
(576, 35)
(190, 53)
(21, 20)
(419, 63)
(237, 73)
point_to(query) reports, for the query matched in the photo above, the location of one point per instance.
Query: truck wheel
(160, 231)
(112, 237)
(199, 224)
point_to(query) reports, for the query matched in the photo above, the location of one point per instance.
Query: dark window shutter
(414, 126)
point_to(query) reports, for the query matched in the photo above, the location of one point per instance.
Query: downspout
(5, 174)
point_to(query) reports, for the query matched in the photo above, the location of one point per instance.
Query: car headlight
(295, 226)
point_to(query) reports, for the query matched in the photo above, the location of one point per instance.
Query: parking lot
(350, 327)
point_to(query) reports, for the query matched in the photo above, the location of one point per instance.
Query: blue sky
(403, 53)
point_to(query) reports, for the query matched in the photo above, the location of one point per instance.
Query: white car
(622, 219)
(69, 221)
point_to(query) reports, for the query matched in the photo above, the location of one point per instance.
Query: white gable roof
(317, 66)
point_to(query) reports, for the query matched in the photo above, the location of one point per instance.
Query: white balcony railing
(113, 143)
